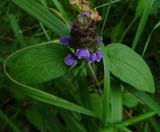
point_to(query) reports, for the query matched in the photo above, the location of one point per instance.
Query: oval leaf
(38, 64)
(130, 67)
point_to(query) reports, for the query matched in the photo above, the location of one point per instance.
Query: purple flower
(99, 40)
(86, 13)
(64, 40)
(82, 53)
(69, 59)
(92, 57)
(99, 55)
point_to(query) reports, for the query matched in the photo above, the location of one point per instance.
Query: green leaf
(130, 67)
(96, 103)
(34, 117)
(44, 16)
(140, 7)
(155, 7)
(38, 64)
(116, 103)
(16, 29)
(117, 31)
(129, 100)
(146, 99)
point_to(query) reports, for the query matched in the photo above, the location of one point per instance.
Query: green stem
(132, 120)
(95, 78)
(128, 28)
(106, 16)
(142, 23)
(106, 91)
(84, 90)
(45, 32)
(106, 4)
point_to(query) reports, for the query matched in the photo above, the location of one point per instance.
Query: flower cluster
(83, 40)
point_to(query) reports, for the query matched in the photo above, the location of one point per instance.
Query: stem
(142, 23)
(128, 28)
(45, 32)
(106, 91)
(106, 16)
(95, 78)
(106, 4)
(132, 120)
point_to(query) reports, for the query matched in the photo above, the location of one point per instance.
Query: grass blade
(17, 31)
(4, 117)
(45, 17)
(149, 37)
(106, 92)
(142, 23)
(61, 10)
(105, 18)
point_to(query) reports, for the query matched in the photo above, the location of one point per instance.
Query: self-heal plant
(83, 40)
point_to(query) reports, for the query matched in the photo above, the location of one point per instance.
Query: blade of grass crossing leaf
(106, 92)
(45, 17)
(149, 37)
(144, 17)
(116, 103)
(8, 121)
(146, 99)
(17, 31)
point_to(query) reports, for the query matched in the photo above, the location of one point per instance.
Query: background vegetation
(38, 92)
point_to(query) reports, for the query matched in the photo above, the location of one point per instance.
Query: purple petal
(86, 13)
(92, 58)
(64, 40)
(99, 55)
(69, 59)
(99, 40)
(82, 53)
